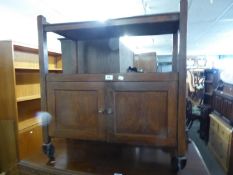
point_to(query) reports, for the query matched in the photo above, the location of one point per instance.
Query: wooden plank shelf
(26, 98)
(35, 69)
(27, 124)
(137, 25)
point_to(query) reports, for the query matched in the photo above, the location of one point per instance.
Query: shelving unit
(20, 72)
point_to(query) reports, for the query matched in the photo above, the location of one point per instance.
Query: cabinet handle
(101, 110)
(109, 111)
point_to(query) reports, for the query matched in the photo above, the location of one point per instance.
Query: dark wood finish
(99, 56)
(171, 76)
(155, 86)
(223, 103)
(205, 123)
(70, 62)
(143, 112)
(95, 56)
(77, 110)
(145, 61)
(175, 52)
(43, 60)
(228, 89)
(90, 158)
(152, 120)
(182, 77)
(139, 25)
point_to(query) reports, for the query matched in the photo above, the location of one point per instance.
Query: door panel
(144, 112)
(141, 112)
(75, 109)
(134, 112)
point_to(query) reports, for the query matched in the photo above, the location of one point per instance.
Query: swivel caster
(49, 150)
(178, 163)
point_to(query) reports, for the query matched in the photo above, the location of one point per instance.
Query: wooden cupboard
(112, 106)
(133, 111)
(20, 93)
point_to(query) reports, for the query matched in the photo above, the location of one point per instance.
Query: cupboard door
(76, 109)
(30, 142)
(143, 112)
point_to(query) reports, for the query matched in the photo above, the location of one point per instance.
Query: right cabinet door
(143, 112)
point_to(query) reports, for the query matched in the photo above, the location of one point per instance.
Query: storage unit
(110, 106)
(20, 92)
(220, 138)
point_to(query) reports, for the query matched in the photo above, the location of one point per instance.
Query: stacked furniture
(20, 97)
(93, 103)
(220, 133)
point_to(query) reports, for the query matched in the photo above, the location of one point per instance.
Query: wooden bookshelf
(35, 69)
(26, 98)
(28, 124)
(20, 75)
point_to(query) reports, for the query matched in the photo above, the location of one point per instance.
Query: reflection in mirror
(150, 53)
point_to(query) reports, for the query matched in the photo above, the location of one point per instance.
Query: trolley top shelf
(136, 26)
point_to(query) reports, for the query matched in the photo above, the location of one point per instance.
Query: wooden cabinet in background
(142, 112)
(220, 138)
(20, 92)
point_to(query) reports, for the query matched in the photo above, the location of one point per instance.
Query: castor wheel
(178, 163)
(49, 150)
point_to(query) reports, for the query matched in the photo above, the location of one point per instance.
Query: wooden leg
(178, 163)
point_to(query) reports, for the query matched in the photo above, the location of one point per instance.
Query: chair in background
(192, 113)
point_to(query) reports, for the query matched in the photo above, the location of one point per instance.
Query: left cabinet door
(77, 110)
(30, 142)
